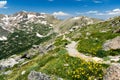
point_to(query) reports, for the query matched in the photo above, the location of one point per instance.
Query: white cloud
(92, 12)
(100, 14)
(60, 14)
(96, 1)
(110, 12)
(95, 13)
(114, 12)
(103, 15)
(2, 4)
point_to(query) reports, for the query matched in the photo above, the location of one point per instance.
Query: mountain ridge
(58, 48)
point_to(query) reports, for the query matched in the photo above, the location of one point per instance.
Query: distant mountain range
(23, 19)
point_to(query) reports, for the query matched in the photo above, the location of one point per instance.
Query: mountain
(23, 18)
(22, 30)
(3, 34)
(74, 23)
(3, 31)
(92, 38)
(39, 46)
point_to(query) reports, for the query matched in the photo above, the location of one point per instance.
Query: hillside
(45, 48)
(91, 38)
(3, 33)
(25, 30)
(22, 19)
(75, 23)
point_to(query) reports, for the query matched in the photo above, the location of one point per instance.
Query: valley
(37, 46)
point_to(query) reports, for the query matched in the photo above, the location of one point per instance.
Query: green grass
(98, 34)
(2, 77)
(54, 63)
(93, 45)
(60, 42)
(119, 61)
(57, 62)
(26, 39)
(106, 58)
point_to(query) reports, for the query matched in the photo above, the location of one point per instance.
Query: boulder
(7, 63)
(16, 57)
(112, 44)
(116, 31)
(10, 62)
(23, 72)
(113, 72)
(28, 55)
(6, 73)
(49, 47)
(38, 76)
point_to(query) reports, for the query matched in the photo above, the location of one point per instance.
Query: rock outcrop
(112, 44)
(113, 72)
(7, 63)
(38, 76)
(21, 19)
(116, 31)
(10, 62)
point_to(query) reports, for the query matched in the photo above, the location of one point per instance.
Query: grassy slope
(92, 37)
(22, 40)
(57, 63)
(54, 64)
(67, 24)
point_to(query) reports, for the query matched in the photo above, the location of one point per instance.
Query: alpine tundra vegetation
(82, 43)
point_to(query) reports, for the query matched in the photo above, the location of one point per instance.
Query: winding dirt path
(71, 48)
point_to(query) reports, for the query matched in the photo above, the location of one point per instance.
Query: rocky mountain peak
(9, 22)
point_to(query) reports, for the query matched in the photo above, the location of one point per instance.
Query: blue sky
(64, 8)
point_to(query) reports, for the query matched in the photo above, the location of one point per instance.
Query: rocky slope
(92, 38)
(22, 30)
(113, 72)
(23, 18)
(35, 47)
(74, 23)
(3, 34)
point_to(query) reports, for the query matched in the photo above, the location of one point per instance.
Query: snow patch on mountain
(23, 18)
(3, 38)
(75, 18)
(31, 16)
(39, 35)
(44, 22)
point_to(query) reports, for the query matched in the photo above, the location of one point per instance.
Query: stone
(7, 72)
(115, 58)
(49, 47)
(24, 63)
(10, 62)
(23, 72)
(7, 63)
(28, 55)
(116, 31)
(113, 72)
(60, 79)
(66, 65)
(38, 76)
(112, 44)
